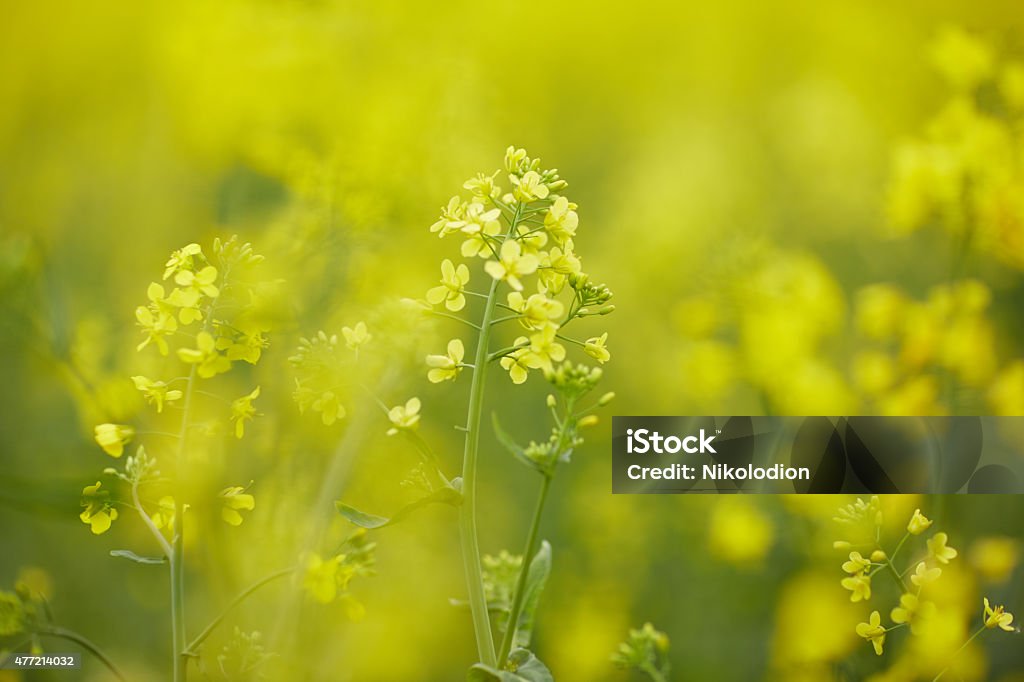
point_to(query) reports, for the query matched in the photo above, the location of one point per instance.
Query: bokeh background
(801, 209)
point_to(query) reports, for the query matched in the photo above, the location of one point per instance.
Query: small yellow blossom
(856, 564)
(446, 367)
(98, 513)
(406, 417)
(918, 523)
(246, 342)
(157, 320)
(873, 631)
(242, 411)
(924, 575)
(859, 586)
(113, 437)
(453, 282)
(561, 220)
(517, 363)
(530, 187)
(996, 617)
(544, 349)
(512, 264)
(234, 500)
(938, 549)
(912, 611)
(182, 259)
(478, 243)
(595, 348)
(537, 310)
(356, 337)
(320, 578)
(156, 392)
(202, 281)
(329, 406)
(556, 265)
(205, 355)
(995, 557)
(451, 218)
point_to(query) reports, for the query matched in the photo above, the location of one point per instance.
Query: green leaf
(517, 450)
(522, 666)
(128, 554)
(446, 495)
(536, 579)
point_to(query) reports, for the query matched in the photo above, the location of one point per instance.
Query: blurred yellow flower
(242, 411)
(453, 282)
(209, 361)
(446, 367)
(995, 557)
(113, 437)
(164, 515)
(873, 631)
(738, 532)
(924, 575)
(918, 523)
(320, 577)
(405, 417)
(234, 500)
(329, 406)
(912, 611)
(356, 337)
(595, 348)
(938, 550)
(156, 392)
(856, 564)
(964, 60)
(202, 281)
(1006, 393)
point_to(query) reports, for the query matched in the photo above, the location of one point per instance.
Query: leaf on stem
(132, 556)
(522, 666)
(445, 495)
(517, 450)
(536, 579)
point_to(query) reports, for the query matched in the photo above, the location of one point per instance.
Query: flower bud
(878, 556)
(589, 420)
(841, 545)
(551, 400)
(606, 398)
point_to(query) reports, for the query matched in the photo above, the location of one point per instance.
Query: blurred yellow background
(801, 209)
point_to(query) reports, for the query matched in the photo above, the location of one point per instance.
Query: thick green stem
(72, 636)
(532, 540)
(467, 511)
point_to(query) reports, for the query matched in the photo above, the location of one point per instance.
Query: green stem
(955, 653)
(165, 547)
(177, 557)
(896, 576)
(72, 636)
(467, 510)
(193, 647)
(532, 540)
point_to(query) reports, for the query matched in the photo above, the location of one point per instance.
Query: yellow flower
(537, 310)
(113, 437)
(451, 218)
(963, 59)
(544, 349)
(512, 264)
(99, 514)
(356, 337)
(210, 362)
(235, 500)
(859, 586)
(557, 264)
(918, 523)
(156, 392)
(880, 311)
(157, 320)
(517, 363)
(561, 220)
(329, 407)
(453, 282)
(320, 578)
(182, 259)
(202, 281)
(856, 564)
(938, 550)
(530, 187)
(483, 186)
(243, 343)
(164, 515)
(912, 611)
(996, 617)
(446, 367)
(242, 411)
(873, 631)
(405, 417)
(924, 575)
(995, 557)
(595, 348)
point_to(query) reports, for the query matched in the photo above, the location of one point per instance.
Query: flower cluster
(323, 365)
(212, 319)
(522, 232)
(913, 610)
(326, 580)
(966, 174)
(646, 650)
